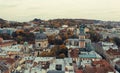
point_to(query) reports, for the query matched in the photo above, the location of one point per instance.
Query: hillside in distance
(53, 22)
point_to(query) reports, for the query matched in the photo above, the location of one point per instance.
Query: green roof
(88, 56)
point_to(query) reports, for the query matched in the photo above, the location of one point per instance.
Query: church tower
(82, 36)
(26, 49)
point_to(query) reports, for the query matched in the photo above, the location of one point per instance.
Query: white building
(51, 31)
(107, 45)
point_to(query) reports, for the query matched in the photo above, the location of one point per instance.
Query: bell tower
(82, 36)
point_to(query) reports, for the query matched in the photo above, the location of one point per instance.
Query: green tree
(62, 55)
(95, 37)
(117, 41)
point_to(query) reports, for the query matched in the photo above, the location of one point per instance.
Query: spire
(82, 28)
(41, 30)
(25, 43)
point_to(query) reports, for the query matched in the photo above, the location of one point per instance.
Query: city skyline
(25, 10)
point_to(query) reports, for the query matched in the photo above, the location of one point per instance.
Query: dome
(40, 36)
(25, 43)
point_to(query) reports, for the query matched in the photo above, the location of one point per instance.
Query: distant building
(81, 42)
(101, 66)
(4, 43)
(13, 50)
(86, 58)
(113, 53)
(109, 51)
(102, 47)
(110, 35)
(92, 55)
(51, 31)
(64, 26)
(108, 45)
(41, 40)
(7, 30)
(7, 64)
(45, 65)
(27, 48)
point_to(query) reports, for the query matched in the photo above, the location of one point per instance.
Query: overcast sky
(25, 10)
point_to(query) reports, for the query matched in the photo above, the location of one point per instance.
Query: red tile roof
(8, 60)
(101, 66)
(78, 71)
(8, 43)
(113, 52)
(118, 62)
(74, 53)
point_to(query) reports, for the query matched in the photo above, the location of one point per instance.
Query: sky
(25, 10)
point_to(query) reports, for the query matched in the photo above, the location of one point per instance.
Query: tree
(43, 54)
(58, 41)
(117, 41)
(21, 35)
(5, 36)
(46, 54)
(19, 39)
(108, 39)
(62, 55)
(63, 46)
(63, 49)
(56, 51)
(51, 39)
(95, 37)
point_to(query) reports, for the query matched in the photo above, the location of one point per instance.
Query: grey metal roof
(55, 71)
(1, 50)
(39, 36)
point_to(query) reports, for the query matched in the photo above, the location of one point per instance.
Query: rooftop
(16, 48)
(40, 36)
(37, 59)
(91, 54)
(8, 60)
(79, 71)
(54, 71)
(108, 45)
(113, 52)
(74, 53)
(101, 66)
(118, 62)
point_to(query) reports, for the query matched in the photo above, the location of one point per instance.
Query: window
(39, 44)
(58, 67)
(82, 37)
(45, 44)
(76, 43)
(82, 44)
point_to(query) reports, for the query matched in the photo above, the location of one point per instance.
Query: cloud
(8, 6)
(28, 9)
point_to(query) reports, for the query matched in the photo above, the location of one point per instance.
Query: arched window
(39, 44)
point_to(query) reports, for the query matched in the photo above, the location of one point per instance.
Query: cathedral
(80, 42)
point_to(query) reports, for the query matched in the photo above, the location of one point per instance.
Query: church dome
(40, 36)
